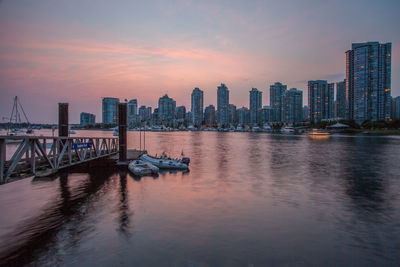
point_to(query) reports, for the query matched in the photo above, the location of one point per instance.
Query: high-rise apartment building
(341, 100)
(276, 93)
(232, 113)
(166, 110)
(209, 115)
(292, 106)
(267, 114)
(180, 113)
(197, 107)
(368, 81)
(320, 100)
(223, 105)
(132, 112)
(110, 110)
(243, 116)
(255, 105)
(396, 108)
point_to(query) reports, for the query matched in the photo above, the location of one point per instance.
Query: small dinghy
(166, 163)
(142, 168)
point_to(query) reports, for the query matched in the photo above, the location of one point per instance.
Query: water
(250, 199)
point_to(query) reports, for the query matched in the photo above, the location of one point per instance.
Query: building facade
(197, 107)
(110, 110)
(255, 105)
(132, 112)
(222, 105)
(209, 115)
(368, 81)
(232, 114)
(396, 108)
(341, 100)
(267, 114)
(87, 119)
(243, 116)
(320, 100)
(180, 113)
(277, 91)
(166, 111)
(292, 106)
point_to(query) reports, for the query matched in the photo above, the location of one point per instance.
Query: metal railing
(38, 153)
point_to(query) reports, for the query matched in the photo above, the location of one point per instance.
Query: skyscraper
(255, 105)
(276, 92)
(341, 99)
(292, 106)
(368, 81)
(197, 107)
(166, 110)
(320, 100)
(110, 110)
(396, 108)
(209, 115)
(232, 113)
(267, 114)
(222, 105)
(142, 114)
(132, 110)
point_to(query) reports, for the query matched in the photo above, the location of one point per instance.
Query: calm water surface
(249, 200)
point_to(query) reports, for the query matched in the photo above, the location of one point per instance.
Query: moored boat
(167, 163)
(141, 168)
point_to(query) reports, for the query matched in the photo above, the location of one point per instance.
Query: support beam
(122, 132)
(63, 119)
(2, 160)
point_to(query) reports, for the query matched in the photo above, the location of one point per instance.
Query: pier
(44, 155)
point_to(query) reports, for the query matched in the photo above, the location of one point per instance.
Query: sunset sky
(80, 51)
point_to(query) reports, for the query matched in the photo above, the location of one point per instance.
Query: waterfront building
(209, 115)
(110, 110)
(222, 105)
(320, 100)
(305, 113)
(276, 93)
(267, 114)
(180, 113)
(155, 116)
(87, 119)
(132, 112)
(368, 81)
(142, 114)
(341, 100)
(232, 114)
(197, 107)
(148, 114)
(188, 116)
(396, 108)
(292, 106)
(255, 105)
(243, 116)
(166, 110)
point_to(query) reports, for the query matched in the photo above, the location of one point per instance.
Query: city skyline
(48, 57)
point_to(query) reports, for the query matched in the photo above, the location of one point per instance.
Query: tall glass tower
(110, 110)
(197, 107)
(255, 105)
(320, 100)
(368, 81)
(223, 105)
(276, 91)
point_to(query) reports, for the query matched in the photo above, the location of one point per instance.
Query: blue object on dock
(82, 145)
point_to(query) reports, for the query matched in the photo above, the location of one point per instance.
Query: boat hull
(169, 164)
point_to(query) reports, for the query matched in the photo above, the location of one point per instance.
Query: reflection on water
(248, 199)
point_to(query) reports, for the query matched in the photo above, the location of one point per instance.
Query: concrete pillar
(122, 131)
(63, 119)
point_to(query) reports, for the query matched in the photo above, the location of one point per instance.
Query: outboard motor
(186, 160)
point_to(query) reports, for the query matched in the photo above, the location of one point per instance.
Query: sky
(78, 51)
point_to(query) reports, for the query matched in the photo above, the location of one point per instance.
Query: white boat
(166, 163)
(288, 129)
(141, 168)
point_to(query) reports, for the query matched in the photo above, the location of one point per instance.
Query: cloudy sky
(80, 51)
